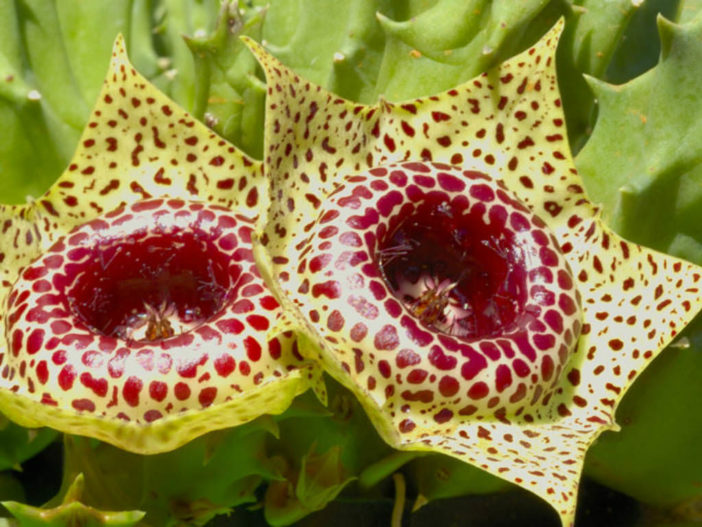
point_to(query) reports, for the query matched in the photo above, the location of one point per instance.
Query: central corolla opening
(151, 285)
(457, 273)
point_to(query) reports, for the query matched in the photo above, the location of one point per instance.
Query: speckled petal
(137, 144)
(140, 144)
(144, 168)
(508, 124)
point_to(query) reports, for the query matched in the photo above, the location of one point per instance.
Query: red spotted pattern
(507, 123)
(528, 417)
(138, 146)
(60, 358)
(446, 377)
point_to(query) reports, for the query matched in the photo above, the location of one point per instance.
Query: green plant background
(630, 74)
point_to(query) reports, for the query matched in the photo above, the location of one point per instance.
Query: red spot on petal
(417, 376)
(384, 369)
(258, 322)
(131, 389)
(84, 405)
(225, 363)
(253, 349)
(406, 426)
(448, 386)
(478, 391)
(66, 377)
(503, 377)
(42, 371)
(182, 391)
(443, 416)
(386, 339)
(207, 396)
(441, 360)
(158, 390)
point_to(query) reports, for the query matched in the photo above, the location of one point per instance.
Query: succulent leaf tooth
(72, 512)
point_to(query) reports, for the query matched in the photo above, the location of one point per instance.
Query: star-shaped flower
(132, 308)
(444, 261)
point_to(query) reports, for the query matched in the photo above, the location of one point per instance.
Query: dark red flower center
(456, 273)
(150, 284)
(151, 310)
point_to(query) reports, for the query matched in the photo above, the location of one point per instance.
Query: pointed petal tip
(120, 57)
(556, 30)
(248, 40)
(255, 47)
(266, 60)
(319, 387)
(120, 45)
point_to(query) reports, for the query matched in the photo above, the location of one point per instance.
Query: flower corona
(476, 317)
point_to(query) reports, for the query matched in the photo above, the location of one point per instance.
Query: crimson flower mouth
(146, 312)
(452, 276)
(456, 274)
(475, 265)
(153, 284)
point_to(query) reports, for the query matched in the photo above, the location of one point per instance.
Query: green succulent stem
(384, 468)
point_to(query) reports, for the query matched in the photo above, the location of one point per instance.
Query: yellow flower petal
(507, 124)
(145, 166)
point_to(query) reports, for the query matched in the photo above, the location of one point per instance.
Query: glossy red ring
(375, 336)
